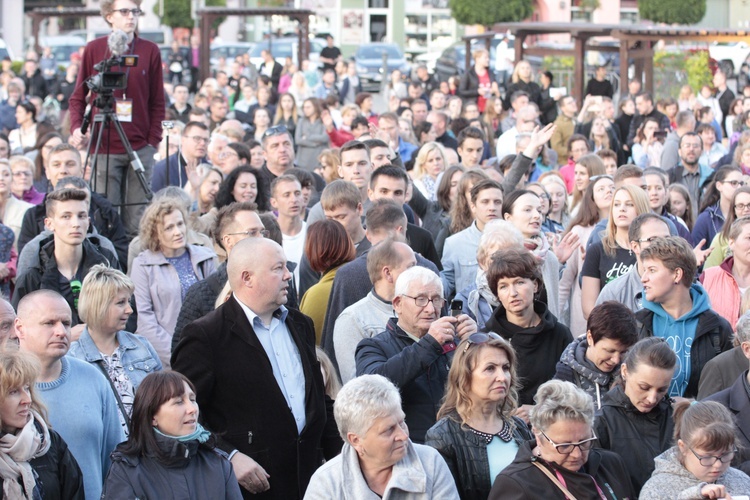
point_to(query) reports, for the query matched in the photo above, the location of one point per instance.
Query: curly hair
(224, 196)
(153, 218)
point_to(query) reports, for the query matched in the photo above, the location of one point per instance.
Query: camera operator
(144, 96)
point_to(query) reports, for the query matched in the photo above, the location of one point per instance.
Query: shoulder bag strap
(100, 364)
(554, 480)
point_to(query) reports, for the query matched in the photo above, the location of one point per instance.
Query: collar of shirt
(279, 314)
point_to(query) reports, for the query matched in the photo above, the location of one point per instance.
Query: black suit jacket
(241, 402)
(736, 399)
(275, 73)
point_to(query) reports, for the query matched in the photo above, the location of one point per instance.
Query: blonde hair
(98, 291)
(639, 199)
(330, 376)
(18, 369)
(425, 150)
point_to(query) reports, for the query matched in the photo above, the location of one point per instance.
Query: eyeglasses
(710, 460)
(252, 233)
(277, 130)
(480, 338)
(422, 301)
(226, 154)
(736, 183)
(125, 12)
(649, 240)
(198, 139)
(567, 448)
(543, 196)
(742, 206)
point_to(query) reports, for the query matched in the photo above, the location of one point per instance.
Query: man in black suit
(271, 68)
(258, 381)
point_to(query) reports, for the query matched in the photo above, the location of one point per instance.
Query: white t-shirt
(294, 247)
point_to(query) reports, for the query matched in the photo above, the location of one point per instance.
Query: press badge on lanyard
(124, 109)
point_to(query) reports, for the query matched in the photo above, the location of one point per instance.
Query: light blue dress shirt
(285, 359)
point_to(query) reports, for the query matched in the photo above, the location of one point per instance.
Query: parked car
(453, 59)
(158, 36)
(369, 61)
(730, 56)
(63, 47)
(5, 50)
(228, 50)
(281, 48)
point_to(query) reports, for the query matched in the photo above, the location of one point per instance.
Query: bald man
(82, 407)
(257, 378)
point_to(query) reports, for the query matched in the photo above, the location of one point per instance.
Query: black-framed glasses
(480, 338)
(742, 206)
(252, 233)
(710, 460)
(125, 12)
(649, 240)
(567, 448)
(198, 139)
(277, 130)
(736, 183)
(422, 301)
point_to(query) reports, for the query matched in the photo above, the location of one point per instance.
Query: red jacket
(145, 88)
(339, 137)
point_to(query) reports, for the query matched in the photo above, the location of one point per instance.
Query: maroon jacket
(145, 88)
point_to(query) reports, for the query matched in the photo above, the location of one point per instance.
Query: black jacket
(737, 400)
(466, 454)
(36, 85)
(468, 87)
(531, 88)
(58, 474)
(521, 480)
(538, 348)
(241, 402)
(46, 275)
(419, 370)
(638, 119)
(637, 437)
(434, 218)
(193, 471)
(713, 335)
(104, 218)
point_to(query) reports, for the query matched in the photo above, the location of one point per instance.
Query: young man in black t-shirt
(329, 55)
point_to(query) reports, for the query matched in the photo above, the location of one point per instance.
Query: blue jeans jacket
(139, 358)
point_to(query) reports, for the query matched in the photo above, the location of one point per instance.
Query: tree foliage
(672, 11)
(489, 12)
(177, 12)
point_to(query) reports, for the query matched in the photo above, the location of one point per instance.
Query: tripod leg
(135, 161)
(94, 161)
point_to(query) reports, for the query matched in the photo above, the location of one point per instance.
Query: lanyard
(598, 489)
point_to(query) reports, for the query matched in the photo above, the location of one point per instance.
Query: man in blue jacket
(183, 163)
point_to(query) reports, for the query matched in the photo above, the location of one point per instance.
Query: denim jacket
(139, 357)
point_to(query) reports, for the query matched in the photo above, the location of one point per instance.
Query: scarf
(537, 245)
(16, 450)
(482, 290)
(200, 434)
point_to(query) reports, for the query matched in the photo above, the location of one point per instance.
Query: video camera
(108, 81)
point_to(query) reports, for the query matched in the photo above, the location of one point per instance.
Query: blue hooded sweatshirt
(679, 334)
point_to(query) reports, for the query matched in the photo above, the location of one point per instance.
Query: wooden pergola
(635, 42)
(209, 14)
(40, 14)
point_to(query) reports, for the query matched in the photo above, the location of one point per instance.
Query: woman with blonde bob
(428, 169)
(561, 462)
(35, 462)
(698, 466)
(378, 460)
(124, 358)
(476, 433)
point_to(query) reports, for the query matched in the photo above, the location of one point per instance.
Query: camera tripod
(106, 118)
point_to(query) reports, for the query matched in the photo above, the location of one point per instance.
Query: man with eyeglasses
(144, 96)
(688, 170)
(233, 223)
(416, 349)
(628, 289)
(192, 152)
(526, 120)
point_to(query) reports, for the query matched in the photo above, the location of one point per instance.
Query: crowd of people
(479, 291)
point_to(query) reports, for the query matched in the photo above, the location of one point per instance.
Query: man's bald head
(28, 306)
(246, 256)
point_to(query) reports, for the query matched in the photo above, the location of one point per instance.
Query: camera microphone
(117, 42)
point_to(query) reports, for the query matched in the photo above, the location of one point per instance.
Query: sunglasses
(277, 130)
(480, 338)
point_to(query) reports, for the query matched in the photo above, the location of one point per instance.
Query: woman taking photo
(44, 145)
(243, 184)
(647, 146)
(514, 277)
(35, 462)
(740, 207)
(611, 257)
(698, 466)
(22, 185)
(592, 361)
(125, 359)
(286, 113)
(587, 166)
(310, 137)
(635, 420)
(561, 461)
(164, 271)
(378, 460)
(327, 247)
(716, 203)
(594, 207)
(602, 136)
(428, 167)
(168, 454)
(476, 432)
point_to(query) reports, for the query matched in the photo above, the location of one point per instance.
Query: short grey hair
(498, 234)
(743, 329)
(557, 400)
(419, 274)
(363, 400)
